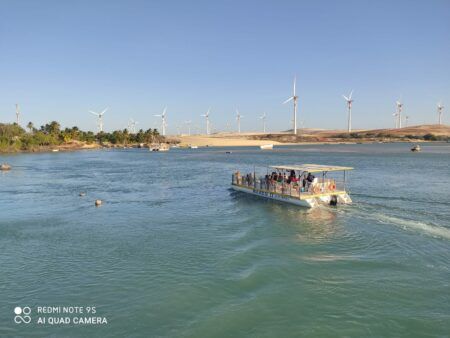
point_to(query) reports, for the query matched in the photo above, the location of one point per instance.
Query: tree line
(15, 138)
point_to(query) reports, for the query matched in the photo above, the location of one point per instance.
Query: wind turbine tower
(17, 113)
(263, 118)
(406, 120)
(295, 99)
(132, 126)
(440, 108)
(349, 108)
(163, 124)
(206, 115)
(395, 119)
(238, 119)
(188, 123)
(100, 118)
(399, 112)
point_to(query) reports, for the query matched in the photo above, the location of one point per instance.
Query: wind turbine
(100, 118)
(188, 123)
(238, 119)
(349, 107)
(263, 118)
(406, 120)
(294, 98)
(132, 126)
(206, 115)
(395, 119)
(440, 108)
(17, 113)
(399, 112)
(164, 124)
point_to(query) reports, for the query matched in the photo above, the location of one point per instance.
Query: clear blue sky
(59, 59)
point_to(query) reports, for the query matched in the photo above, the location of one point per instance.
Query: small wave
(328, 258)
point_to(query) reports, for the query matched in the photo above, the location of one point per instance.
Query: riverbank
(69, 146)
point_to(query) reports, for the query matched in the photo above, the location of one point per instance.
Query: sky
(60, 59)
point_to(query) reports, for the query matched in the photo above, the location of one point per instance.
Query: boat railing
(294, 189)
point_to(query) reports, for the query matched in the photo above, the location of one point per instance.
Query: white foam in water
(429, 229)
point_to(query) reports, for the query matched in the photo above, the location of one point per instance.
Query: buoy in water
(82, 194)
(98, 203)
(5, 166)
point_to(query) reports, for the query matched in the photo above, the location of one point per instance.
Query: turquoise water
(174, 253)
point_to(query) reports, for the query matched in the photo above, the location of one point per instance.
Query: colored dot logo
(22, 315)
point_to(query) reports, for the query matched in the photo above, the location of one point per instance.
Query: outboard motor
(333, 200)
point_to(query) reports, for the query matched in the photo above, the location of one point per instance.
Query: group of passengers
(280, 179)
(247, 179)
(306, 179)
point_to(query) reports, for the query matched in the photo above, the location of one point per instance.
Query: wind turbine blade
(295, 80)
(289, 99)
(345, 97)
(158, 115)
(350, 96)
(104, 110)
(96, 114)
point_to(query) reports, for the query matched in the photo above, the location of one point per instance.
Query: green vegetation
(371, 135)
(14, 138)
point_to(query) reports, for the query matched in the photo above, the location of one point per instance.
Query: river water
(173, 252)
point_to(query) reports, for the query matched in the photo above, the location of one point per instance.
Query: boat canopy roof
(312, 168)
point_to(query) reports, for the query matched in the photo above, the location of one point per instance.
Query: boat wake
(399, 198)
(430, 229)
(406, 224)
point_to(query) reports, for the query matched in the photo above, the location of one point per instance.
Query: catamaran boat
(266, 147)
(416, 148)
(159, 147)
(307, 185)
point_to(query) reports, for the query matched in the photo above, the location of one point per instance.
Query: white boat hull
(315, 200)
(266, 146)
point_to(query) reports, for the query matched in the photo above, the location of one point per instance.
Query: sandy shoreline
(211, 141)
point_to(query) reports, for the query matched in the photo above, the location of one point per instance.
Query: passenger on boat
(280, 178)
(238, 177)
(249, 179)
(267, 181)
(307, 181)
(304, 182)
(292, 177)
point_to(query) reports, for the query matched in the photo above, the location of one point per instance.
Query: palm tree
(30, 126)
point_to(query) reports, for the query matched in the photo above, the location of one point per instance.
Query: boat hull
(313, 201)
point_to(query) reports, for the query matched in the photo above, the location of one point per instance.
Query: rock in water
(5, 166)
(98, 203)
